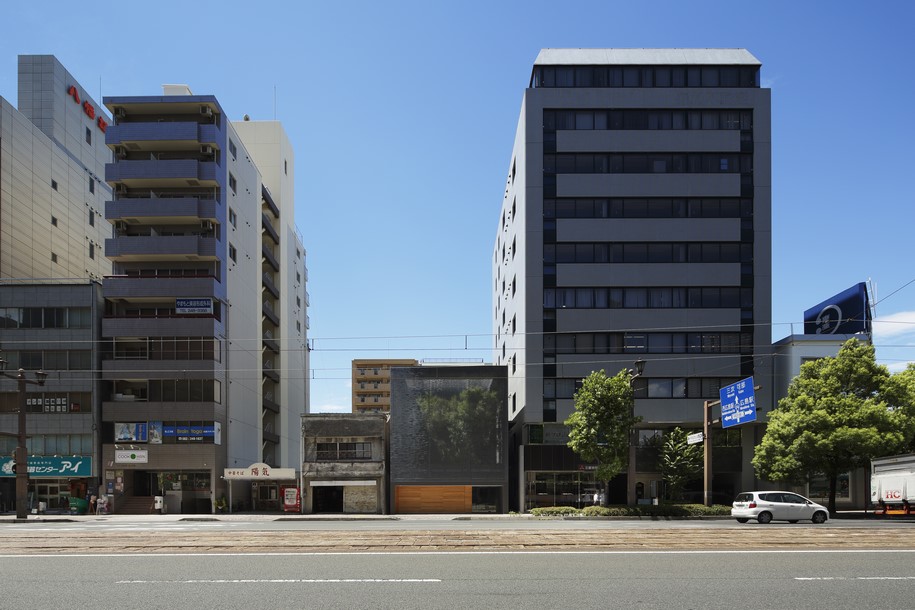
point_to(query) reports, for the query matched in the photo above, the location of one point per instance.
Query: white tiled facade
(52, 189)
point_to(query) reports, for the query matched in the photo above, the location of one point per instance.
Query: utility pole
(22, 458)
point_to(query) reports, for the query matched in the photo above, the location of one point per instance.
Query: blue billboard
(846, 313)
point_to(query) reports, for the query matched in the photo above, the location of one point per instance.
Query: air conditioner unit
(206, 111)
(120, 152)
(121, 189)
(207, 150)
(206, 225)
(120, 113)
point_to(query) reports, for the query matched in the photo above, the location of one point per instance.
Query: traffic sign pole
(707, 466)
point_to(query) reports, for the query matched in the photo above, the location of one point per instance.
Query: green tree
(600, 426)
(680, 462)
(840, 412)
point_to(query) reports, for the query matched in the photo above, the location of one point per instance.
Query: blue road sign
(738, 403)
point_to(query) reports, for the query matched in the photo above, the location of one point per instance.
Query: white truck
(893, 485)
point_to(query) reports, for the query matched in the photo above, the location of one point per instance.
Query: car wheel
(792, 521)
(764, 517)
(742, 520)
(819, 517)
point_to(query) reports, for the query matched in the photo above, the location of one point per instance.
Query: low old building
(343, 465)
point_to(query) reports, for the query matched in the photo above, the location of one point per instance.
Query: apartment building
(205, 329)
(635, 223)
(372, 383)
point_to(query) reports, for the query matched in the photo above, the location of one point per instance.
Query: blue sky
(403, 115)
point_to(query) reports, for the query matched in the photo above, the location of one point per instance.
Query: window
(53, 221)
(233, 254)
(54, 184)
(233, 218)
(53, 257)
(285, 167)
(91, 250)
(233, 150)
(88, 136)
(233, 183)
(91, 184)
(91, 218)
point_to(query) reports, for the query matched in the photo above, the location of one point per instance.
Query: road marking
(855, 578)
(275, 581)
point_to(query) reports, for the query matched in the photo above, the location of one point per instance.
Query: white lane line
(855, 578)
(276, 581)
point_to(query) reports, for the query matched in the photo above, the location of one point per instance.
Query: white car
(765, 506)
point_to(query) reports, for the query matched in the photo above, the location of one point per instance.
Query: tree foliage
(839, 414)
(600, 426)
(679, 462)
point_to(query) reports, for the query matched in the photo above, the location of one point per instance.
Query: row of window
(50, 444)
(645, 387)
(694, 252)
(648, 343)
(45, 317)
(333, 452)
(648, 208)
(654, 163)
(555, 120)
(171, 390)
(164, 348)
(645, 76)
(648, 298)
(49, 360)
(47, 402)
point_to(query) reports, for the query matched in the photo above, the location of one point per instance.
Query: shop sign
(75, 466)
(125, 456)
(194, 306)
(259, 472)
(88, 109)
(189, 433)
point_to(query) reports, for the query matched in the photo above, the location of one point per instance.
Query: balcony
(270, 257)
(164, 326)
(268, 229)
(267, 281)
(160, 247)
(270, 372)
(268, 312)
(153, 172)
(268, 200)
(160, 209)
(113, 370)
(132, 135)
(123, 287)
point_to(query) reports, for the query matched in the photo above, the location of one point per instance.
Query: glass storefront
(559, 489)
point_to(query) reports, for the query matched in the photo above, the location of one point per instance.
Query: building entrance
(327, 499)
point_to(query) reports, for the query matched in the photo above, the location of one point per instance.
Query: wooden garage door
(433, 499)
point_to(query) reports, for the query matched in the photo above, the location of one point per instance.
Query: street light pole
(22, 459)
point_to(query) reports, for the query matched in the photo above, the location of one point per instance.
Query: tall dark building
(636, 223)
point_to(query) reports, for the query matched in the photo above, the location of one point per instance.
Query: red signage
(88, 108)
(292, 499)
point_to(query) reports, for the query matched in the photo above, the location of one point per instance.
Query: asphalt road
(643, 579)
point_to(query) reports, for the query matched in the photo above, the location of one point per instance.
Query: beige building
(372, 384)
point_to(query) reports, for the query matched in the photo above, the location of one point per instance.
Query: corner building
(205, 326)
(635, 224)
(52, 194)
